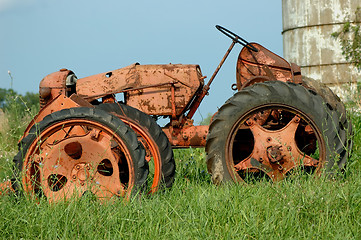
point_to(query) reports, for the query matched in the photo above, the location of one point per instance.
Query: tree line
(9, 98)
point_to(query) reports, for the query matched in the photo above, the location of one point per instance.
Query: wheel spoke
(62, 154)
(251, 164)
(309, 161)
(106, 181)
(96, 150)
(244, 165)
(264, 135)
(54, 161)
(275, 152)
(296, 158)
(46, 170)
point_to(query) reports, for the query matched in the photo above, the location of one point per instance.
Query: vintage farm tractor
(84, 140)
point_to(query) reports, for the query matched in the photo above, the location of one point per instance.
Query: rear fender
(264, 65)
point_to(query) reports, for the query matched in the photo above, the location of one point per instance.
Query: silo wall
(307, 40)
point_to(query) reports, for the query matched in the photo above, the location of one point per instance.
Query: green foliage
(18, 110)
(8, 97)
(191, 165)
(350, 39)
(16, 113)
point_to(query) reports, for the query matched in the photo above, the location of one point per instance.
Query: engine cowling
(56, 83)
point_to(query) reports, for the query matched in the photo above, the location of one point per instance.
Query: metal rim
(76, 156)
(275, 150)
(151, 148)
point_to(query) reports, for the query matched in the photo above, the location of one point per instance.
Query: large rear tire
(80, 150)
(159, 149)
(271, 129)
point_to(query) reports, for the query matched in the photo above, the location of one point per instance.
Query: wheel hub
(82, 173)
(274, 153)
(275, 150)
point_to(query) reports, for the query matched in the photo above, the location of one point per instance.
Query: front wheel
(271, 129)
(79, 150)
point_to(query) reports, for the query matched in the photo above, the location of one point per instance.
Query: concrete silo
(307, 41)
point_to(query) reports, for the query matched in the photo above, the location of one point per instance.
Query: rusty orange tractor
(84, 140)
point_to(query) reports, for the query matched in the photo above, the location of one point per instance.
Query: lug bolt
(82, 183)
(269, 139)
(260, 159)
(77, 167)
(74, 177)
(249, 122)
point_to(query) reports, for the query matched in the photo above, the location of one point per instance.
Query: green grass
(301, 207)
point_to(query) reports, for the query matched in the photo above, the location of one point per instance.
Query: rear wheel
(159, 152)
(79, 150)
(271, 129)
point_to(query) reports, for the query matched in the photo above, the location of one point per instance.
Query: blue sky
(89, 37)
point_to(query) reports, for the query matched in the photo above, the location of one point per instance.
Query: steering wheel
(235, 38)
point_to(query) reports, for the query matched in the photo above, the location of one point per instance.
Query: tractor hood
(146, 87)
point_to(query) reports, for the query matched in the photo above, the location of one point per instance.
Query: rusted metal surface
(187, 136)
(53, 85)
(75, 156)
(253, 80)
(273, 141)
(254, 67)
(103, 84)
(79, 101)
(147, 87)
(185, 79)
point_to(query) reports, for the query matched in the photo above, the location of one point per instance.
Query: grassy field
(301, 207)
